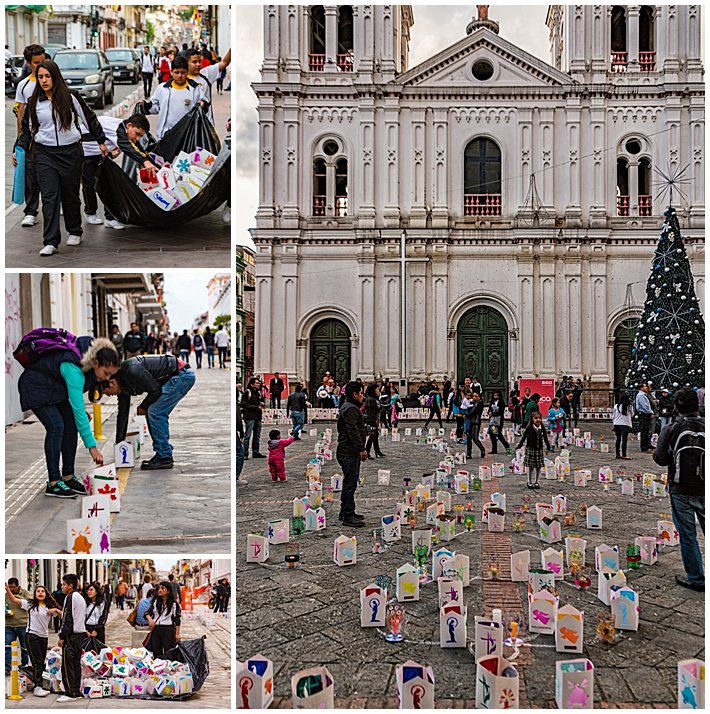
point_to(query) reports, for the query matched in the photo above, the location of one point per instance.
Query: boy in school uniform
(206, 77)
(175, 98)
(71, 637)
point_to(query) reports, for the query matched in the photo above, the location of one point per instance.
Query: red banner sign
(544, 387)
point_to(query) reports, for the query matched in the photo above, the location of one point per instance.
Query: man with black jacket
(165, 379)
(296, 409)
(351, 452)
(208, 338)
(681, 447)
(472, 407)
(134, 342)
(252, 404)
(276, 386)
(72, 634)
(184, 344)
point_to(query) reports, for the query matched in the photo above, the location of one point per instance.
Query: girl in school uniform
(40, 610)
(164, 619)
(97, 607)
(534, 437)
(51, 127)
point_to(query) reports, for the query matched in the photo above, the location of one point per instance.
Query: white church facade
(483, 212)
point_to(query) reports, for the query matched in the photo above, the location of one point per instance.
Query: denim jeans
(159, 412)
(239, 456)
(252, 432)
(665, 420)
(222, 353)
(61, 438)
(12, 634)
(185, 356)
(685, 509)
(298, 418)
(351, 475)
(210, 356)
(622, 436)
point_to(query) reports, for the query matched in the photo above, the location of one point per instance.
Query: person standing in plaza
(472, 407)
(72, 634)
(566, 402)
(184, 345)
(681, 448)
(496, 419)
(351, 452)
(134, 342)
(371, 416)
(206, 76)
(121, 587)
(644, 412)
(556, 422)
(147, 71)
(147, 585)
(97, 609)
(665, 409)
(117, 339)
(15, 623)
(477, 387)
(239, 445)
(534, 438)
(163, 65)
(221, 339)
(252, 405)
(433, 402)
(296, 409)
(208, 339)
(621, 422)
(175, 585)
(276, 387)
(530, 408)
(456, 408)
(198, 344)
(516, 415)
(577, 389)
(164, 619)
(523, 406)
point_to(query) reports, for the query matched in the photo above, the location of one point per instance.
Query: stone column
(696, 158)
(632, 37)
(575, 34)
(440, 213)
(391, 165)
(525, 131)
(574, 211)
(545, 309)
(290, 309)
(366, 111)
(599, 369)
(331, 38)
(526, 302)
(694, 66)
(440, 304)
(547, 143)
(265, 212)
(671, 64)
(418, 337)
(263, 266)
(366, 279)
(417, 216)
(269, 67)
(573, 322)
(291, 119)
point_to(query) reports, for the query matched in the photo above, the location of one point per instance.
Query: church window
(619, 52)
(622, 187)
(330, 179)
(316, 56)
(482, 70)
(330, 147)
(647, 54)
(633, 146)
(482, 178)
(341, 187)
(319, 187)
(633, 179)
(644, 188)
(345, 38)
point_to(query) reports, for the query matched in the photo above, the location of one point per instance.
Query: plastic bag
(129, 204)
(192, 653)
(193, 131)
(93, 644)
(18, 186)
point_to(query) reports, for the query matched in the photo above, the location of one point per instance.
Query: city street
(310, 615)
(186, 509)
(214, 694)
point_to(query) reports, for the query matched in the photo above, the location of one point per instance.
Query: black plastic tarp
(192, 132)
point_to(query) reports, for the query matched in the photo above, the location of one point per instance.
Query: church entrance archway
(330, 352)
(482, 349)
(624, 336)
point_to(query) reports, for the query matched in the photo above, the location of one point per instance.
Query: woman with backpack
(59, 369)
(97, 607)
(516, 412)
(198, 344)
(52, 126)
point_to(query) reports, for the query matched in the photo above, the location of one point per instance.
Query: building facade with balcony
(25, 25)
(484, 212)
(243, 328)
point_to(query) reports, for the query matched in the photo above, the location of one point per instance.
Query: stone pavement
(203, 242)
(183, 510)
(310, 615)
(215, 693)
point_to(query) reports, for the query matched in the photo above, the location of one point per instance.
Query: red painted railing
(645, 207)
(345, 62)
(341, 206)
(647, 61)
(481, 204)
(319, 205)
(619, 61)
(316, 63)
(622, 205)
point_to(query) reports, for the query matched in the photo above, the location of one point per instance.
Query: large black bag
(92, 644)
(127, 201)
(192, 653)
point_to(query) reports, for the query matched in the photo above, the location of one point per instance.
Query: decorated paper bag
(540, 579)
(543, 510)
(497, 683)
(542, 611)
(606, 558)
(607, 583)
(458, 566)
(559, 505)
(313, 689)
(497, 470)
(659, 489)
(520, 566)
(299, 506)
(581, 476)
(433, 512)
(550, 530)
(278, 531)
(499, 499)
(627, 487)
(574, 684)
(391, 528)
(569, 630)
(606, 475)
(594, 518)
(625, 609)
(461, 484)
(553, 560)
(124, 458)
(648, 548)
(691, 684)
(447, 527)
(484, 473)
(421, 535)
(444, 497)
(407, 583)
(496, 519)
(488, 637)
(105, 485)
(383, 477)
(439, 559)
(667, 533)
(575, 545)
(452, 625)
(345, 550)
(84, 535)
(315, 519)
(450, 590)
(373, 604)
(415, 686)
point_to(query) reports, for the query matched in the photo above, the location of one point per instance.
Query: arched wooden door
(624, 336)
(330, 352)
(482, 349)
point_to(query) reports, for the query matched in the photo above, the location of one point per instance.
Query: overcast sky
(186, 296)
(435, 28)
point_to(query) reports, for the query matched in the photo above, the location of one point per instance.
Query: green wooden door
(624, 336)
(482, 349)
(330, 352)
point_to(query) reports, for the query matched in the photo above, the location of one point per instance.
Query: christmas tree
(669, 351)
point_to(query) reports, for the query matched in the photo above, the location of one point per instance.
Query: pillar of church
(632, 33)
(366, 138)
(417, 215)
(527, 306)
(367, 309)
(271, 44)
(599, 370)
(600, 19)
(547, 144)
(440, 212)
(671, 64)
(573, 213)
(291, 152)
(265, 212)
(597, 149)
(546, 332)
(263, 307)
(573, 315)
(524, 161)
(694, 67)
(331, 38)
(697, 166)
(387, 62)
(289, 272)
(289, 21)
(575, 35)
(439, 295)
(417, 327)
(391, 163)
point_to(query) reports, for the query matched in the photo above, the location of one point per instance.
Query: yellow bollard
(15, 664)
(98, 433)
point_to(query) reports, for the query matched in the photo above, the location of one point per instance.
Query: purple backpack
(45, 339)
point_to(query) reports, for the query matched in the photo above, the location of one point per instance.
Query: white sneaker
(74, 240)
(63, 699)
(93, 219)
(227, 215)
(48, 250)
(28, 221)
(39, 692)
(116, 225)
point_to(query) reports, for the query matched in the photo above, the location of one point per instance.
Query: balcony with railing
(481, 204)
(319, 205)
(645, 206)
(622, 206)
(341, 206)
(316, 63)
(619, 61)
(346, 62)
(647, 61)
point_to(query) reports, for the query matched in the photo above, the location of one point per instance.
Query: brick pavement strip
(310, 615)
(215, 693)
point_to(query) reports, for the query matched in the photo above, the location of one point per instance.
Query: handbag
(131, 619)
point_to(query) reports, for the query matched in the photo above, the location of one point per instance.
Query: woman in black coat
(372, 420)
(496, 416)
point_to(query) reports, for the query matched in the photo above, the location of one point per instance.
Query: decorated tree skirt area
(566, 572)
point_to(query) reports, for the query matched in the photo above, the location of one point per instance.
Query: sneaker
(63, 699)
(353, 523)
(28, 221)
(39, 692)
(116, 225)
(49, 250)
(258, 456)
(242, 480)
(93, 219)
(684, 582)
(297, 438)
(74, 240)
(75, 485)
(59, 490)
(157, 463)
(227, 215)
(380, 456)
(536, 485)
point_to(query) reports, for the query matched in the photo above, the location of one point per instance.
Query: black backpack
(687, 449)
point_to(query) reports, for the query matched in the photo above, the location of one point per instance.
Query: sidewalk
(183, 510)
(215, 693)
(206, 239)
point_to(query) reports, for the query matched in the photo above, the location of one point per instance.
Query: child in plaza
(40, 610)
(533, 438)
(277, 453)
(556, 421)
(71, 637)
(206, 76)
(175, 98)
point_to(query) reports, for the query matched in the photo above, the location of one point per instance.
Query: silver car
(89, 73)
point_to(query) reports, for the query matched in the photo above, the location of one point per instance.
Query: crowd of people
(78, 613)
(63, 140)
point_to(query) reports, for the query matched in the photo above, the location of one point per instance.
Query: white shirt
(49, 134)
(8, 54)
(38, 619)
(147, 63)
(618, 419)
(25, 89)
(94, 611)
(206, 78)
(172, 103)
(147, 587)
(221, 338)
(166, 616)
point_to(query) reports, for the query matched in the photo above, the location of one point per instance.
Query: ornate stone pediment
(458, 65)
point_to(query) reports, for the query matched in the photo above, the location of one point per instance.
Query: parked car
(125, 64)
(51, 50)
(89, 73)
(13, 74)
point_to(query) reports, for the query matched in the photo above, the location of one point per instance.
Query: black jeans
(645, 427)
(351, 475)
(59, 175)
(434, 412)
(71, 663)
(622, 437)
(459, 426)
(37, 649)
(495, 438)
(162, 639)
(61, 439)
(222, 354)
(473, 438)
(275, 400)
(373, 439)
(88, 187)
(31, 184)
(147, 83)
(198, 359)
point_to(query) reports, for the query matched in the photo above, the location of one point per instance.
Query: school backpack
(45, 339)
(688, 450)
(429, 402)
(198, 342)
